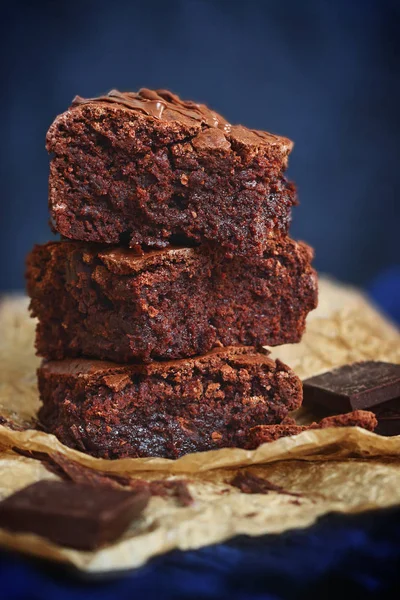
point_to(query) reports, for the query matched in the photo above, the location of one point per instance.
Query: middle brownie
(110, 303)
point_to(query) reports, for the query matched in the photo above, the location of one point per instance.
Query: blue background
(325, 73)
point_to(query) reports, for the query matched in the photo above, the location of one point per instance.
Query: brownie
(166, 408)
(113, 304)
(144, 168)
(76, 515)
(261, 434)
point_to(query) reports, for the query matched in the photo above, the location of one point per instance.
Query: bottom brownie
(165, 409)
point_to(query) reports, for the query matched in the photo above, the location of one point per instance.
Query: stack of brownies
(174, 269)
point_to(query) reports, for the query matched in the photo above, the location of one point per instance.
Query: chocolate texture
(110, 303)
(388, 415)
(146, 168)
(167, 408)
(356, 386)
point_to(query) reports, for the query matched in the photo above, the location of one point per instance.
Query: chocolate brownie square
(166, 408)
(110, 303)
(144, 168)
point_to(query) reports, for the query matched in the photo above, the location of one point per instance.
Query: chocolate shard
(69, 470)
(248, 483)
(389, 426)
(359, 385)
(69, 514)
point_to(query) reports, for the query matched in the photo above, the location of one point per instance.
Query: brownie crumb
(14, 426)
(177, 488)
(358, 418)
(248, 483)
(261, 434)
(80, 474)
(69, 470)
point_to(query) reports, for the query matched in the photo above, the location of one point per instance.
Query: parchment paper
(345, 470)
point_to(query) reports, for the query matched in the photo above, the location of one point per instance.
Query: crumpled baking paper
(345, 470)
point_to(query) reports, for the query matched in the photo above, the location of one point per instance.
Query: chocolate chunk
(251, 484)
(351, 387)
(388, 425)
(388, 416)
(73, 471)
(76, 515)
(175, 488)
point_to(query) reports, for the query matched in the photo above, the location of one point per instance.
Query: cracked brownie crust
(110, 303)
(165, 409)
(145, 168)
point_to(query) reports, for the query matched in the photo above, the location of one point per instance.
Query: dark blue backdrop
(339, 558)
(324, 73)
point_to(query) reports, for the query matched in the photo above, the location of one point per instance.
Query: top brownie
(148, 168)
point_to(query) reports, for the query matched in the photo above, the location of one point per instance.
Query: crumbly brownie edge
(262, 434)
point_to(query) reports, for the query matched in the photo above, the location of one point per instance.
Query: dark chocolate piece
(70, 514)
(111, 304)
(355, 386)
(166, 408)
(388, 416)
(248, 483)
(388, 426)
(141, 168)
(175, 488)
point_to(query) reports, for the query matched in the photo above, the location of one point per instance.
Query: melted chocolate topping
(164, 105)
(154, 103)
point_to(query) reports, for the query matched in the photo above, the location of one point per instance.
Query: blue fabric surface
(352, 555)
